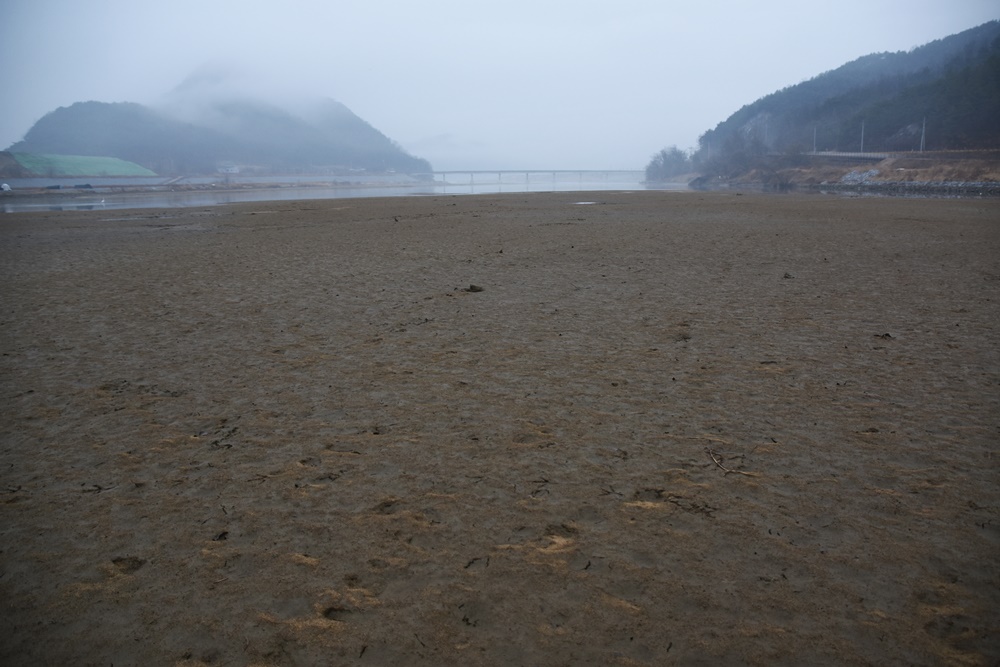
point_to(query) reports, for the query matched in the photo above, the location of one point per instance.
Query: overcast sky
(466, 83)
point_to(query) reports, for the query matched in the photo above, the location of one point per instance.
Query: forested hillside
(941, 96)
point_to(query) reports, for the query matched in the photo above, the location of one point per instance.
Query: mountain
(944, 95)
(229, 130)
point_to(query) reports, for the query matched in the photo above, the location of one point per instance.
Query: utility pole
(814, 139)
(862, 136)
(923, 134)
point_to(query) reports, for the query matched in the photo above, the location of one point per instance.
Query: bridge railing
(537, 175)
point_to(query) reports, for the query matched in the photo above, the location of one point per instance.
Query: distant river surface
(102, 195)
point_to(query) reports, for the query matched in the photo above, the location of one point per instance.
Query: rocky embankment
(951, 174)
(873, 180)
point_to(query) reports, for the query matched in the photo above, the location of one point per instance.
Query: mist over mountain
(944, 95)
(209, 122)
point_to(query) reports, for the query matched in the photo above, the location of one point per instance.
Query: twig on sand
(724, 468)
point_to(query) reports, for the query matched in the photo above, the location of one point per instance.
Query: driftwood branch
(724, 468)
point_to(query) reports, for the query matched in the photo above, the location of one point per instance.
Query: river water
(102, 195)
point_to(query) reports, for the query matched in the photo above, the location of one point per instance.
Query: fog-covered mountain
(203, 126)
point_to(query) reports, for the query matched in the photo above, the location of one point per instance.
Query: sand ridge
(672, 428)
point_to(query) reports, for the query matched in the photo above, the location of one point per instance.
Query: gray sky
(466, 83)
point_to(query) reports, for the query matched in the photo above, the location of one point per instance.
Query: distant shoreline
(954, 173)
(26, 200)
(85, 189)
(887, 188)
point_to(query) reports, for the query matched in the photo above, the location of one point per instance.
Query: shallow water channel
(99, 199)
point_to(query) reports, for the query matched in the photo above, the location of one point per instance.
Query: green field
(78, 165)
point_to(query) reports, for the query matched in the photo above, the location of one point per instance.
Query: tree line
(942, 96)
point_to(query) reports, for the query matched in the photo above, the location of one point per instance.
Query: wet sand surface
(663, 428)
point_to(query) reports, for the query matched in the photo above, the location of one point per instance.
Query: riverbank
(606, 428)
(112, 197)
(974, 173)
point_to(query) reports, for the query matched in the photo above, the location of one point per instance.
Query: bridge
(537, 176)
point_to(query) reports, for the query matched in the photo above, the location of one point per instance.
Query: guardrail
(873, 157)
